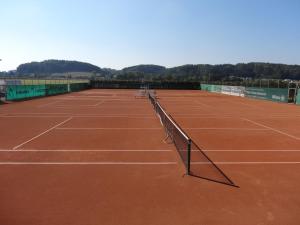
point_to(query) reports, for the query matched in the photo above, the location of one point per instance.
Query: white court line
(225, 128)
(241, 163)
(251, 150)
(99, 103)
(108, 128)
(270, 128)
(51, 103)
(81, 116)
(81, 150)
(34, 113)
(65, 121)
(70, 106)
(34, 116)
(88, 163)
(205, 105)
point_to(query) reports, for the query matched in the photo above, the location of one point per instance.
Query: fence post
(189, 158)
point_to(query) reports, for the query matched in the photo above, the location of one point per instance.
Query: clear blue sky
(120, 33)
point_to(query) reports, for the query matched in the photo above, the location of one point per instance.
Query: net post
(189, 157)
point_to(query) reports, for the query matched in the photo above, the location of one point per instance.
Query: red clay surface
(99, 157)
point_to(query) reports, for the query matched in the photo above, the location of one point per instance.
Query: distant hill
(192, 72)
(206, 72)
(56, 66)
(146, 69)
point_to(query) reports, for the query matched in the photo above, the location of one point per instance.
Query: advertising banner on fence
(233, 90)
(228, 90)
(273, 94)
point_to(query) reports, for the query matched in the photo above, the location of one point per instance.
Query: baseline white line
(225, 128)
(51, 103)
(88, 163)
(65, 121)
(35, 116)
(113, 128)
(72, 150)
(241, 163)
(203, 104)
(79, 116)
(99, 103)
(273, 129)
(251, 150)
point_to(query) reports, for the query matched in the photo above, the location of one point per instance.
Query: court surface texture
(100, 157)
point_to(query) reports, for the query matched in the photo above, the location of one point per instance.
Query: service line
(273, 129)
(88, 163)
(243, 163)
(51, 103)
(35, 137)
(87, 150)
(108, 128)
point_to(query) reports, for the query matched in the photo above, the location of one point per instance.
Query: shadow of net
(203, 167)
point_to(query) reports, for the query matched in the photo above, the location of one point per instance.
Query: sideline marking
(78, 116)
(65, 121)
(81, 150)
(44, 105)
(88, 163)
(241, 163)
(225, 128)
(99, 103)
(203, 104)
(108, 128)
(250, 150)
(273, 129)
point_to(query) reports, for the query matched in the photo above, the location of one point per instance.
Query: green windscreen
(78, 86)
(298, 98)
(55, 89)
(273, 94)
(18, 92)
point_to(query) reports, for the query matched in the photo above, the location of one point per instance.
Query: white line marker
(241, 163)
(270, 128)
(78, 116)
(225, 128)
(51, 103)
(99, 103)
(65, 121)
(251, 150)
(72, 150)
(108, 128)
(88, 163)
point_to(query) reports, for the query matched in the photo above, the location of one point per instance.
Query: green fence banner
(18, 92)
(211, 87)
(78, 86)
(298, 98)
(55, 89)
(273, 94)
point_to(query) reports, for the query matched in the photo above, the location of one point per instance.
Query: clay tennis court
(100, 157)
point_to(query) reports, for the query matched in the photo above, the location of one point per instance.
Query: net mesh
(197, 163)
(178, 137)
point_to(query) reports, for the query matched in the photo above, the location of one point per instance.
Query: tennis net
(196, 162)
(181, 141)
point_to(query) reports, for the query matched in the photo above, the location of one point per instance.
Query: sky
(120, 33)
